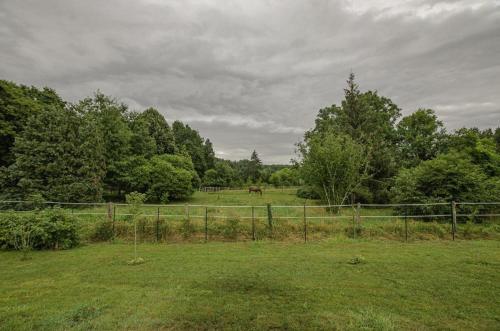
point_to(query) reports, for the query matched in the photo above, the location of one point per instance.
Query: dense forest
(98, 149)
(361, 150)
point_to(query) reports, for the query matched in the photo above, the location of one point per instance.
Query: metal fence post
(305, 224)
(158, 225)
(453, 218)
(253, 223)
(110, 211)
(206, 224)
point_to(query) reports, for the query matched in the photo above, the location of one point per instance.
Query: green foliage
(254, 167)
(333, 165)
(285, 177)
(166, 177)
(308, 192)
(135, 201)
(187, 228)
(159, 130)
(103, 231)
(231, 228)
(221, 176)
(190, 141)
(112, 132)
(449, 177)
(420, 137)
(357, 260)
(369, 120)
(17, 104)
(51, 229)
(53, 159)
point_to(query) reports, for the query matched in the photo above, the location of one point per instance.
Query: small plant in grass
(187, 228)
(357, 260)
(83, 314)
(231, 228)
(135, 200)
(22, 240)
(103, 231)
(368, 319)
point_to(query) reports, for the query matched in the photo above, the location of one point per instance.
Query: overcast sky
(253, 74)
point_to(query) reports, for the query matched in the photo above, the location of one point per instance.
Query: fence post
(305, 224)
(453, 218)
(353, 226)
(358, 214)
(158, 225)
(253, 223)
(406, 226)
(187, 211)
(110, 211)
(114, 218)
(206, 224)
(270, 217)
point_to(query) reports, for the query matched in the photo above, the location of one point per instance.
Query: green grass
(431, 285)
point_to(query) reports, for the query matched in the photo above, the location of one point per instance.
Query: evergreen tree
(209, 154)
(114, 131)
(190, 140)
(142, 143)
(55, 158)
(369, 120)
(159, 130)
(255, 167)
(17, 103)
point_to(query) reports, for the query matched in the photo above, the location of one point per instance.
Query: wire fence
(260, 221)
(245, 188)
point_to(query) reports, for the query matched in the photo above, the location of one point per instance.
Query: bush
(231, 228)
(103, 231)
(52, 229)
(166, 177)
(449, 177)
(187, 228)
(308, 192)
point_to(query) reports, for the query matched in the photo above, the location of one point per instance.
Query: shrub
(307, 192)
(449, 177)
(103, 231)
(166, 176)
(231, 228)
(187, 228)
(52, 229)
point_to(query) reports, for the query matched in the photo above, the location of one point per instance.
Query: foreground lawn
(263, 285)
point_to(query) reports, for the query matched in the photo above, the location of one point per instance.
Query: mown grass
(432, 285)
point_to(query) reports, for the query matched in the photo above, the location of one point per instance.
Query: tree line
(98, 149)
(363, 151)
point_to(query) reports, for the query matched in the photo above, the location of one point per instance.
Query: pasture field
(426, 285)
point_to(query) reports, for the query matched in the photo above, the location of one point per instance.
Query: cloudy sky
(253, 74)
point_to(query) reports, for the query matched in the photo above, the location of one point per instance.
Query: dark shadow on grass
(242, 301)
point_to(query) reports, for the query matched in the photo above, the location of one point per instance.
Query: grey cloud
(253, 74)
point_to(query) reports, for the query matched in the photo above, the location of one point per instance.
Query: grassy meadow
(325, 285)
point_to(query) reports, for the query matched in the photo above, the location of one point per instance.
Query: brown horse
(255, 189)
